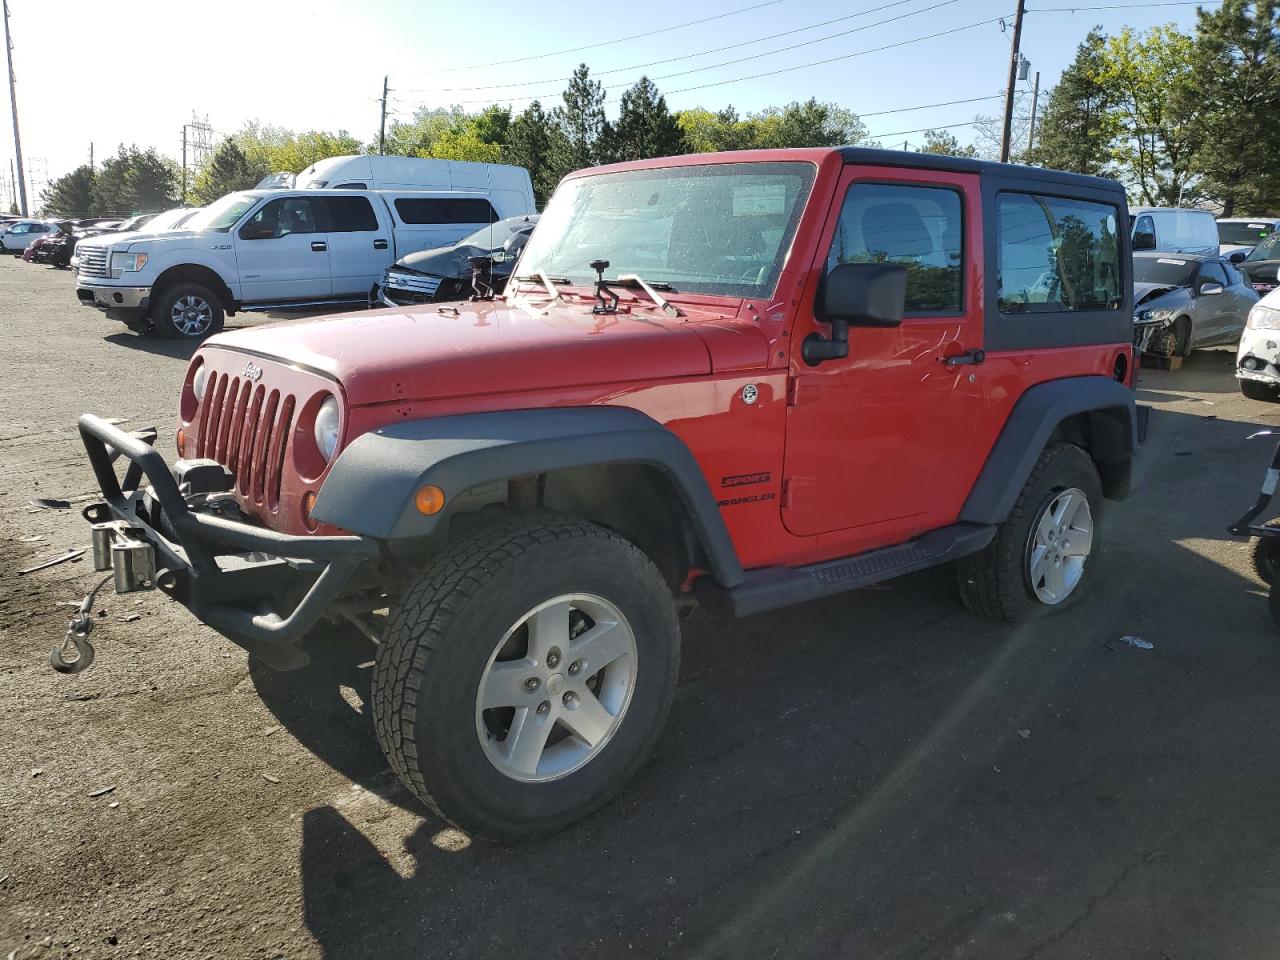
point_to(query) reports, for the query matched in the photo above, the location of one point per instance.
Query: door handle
(968, 358)
(379, 244)
(319, 246)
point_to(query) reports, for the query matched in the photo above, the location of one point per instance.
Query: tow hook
(77, 638)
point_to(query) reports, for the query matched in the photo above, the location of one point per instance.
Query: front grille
(413, 283)
(92, 261)
(245, 427)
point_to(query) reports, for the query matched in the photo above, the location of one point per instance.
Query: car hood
(448, 261)
(1153, 296)
(169, 237)
(427, 353)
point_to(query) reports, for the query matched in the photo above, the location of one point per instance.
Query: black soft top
(1006, 171)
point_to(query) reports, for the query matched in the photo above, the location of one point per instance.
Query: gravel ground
(877, 775)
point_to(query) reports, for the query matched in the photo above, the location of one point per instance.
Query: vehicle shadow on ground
(153, 343)
(883, 774)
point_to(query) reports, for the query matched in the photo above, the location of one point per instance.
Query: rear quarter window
(350, 215)
(423, 210)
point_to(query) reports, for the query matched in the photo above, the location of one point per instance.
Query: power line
(1126, 6)
(770, 73)
(606, 43)
(927, 106)
(656, 63)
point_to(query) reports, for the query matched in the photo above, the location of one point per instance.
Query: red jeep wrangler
(752, 378)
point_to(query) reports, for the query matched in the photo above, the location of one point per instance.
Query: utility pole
(1013, 78)
(184, 164)
(382, 125)
(1035, 99)
(13, 104)
(90, 158)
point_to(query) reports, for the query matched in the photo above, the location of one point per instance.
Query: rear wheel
(1039, 556)
(526, 675)
(1264, 553)
(187, 311)
(1255, 390)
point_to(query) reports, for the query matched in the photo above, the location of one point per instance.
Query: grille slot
(245, 427)
(92, 261)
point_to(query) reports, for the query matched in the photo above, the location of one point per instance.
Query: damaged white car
(1258, 359)
(1182, 302)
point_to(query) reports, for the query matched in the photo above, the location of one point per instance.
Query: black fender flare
(1035, 416)
(371, 486)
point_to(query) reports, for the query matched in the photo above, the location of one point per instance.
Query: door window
(1213, 273)
(281, 218)
(1056, 255)
(350, 215)
(421, 210)
(1144, 234)
(919, 227)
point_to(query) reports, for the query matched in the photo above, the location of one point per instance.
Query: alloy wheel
(191, 315)
(1060, 544)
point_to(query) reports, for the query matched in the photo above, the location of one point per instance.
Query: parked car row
(317, 245)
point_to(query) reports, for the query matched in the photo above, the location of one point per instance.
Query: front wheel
(1039, 556)
(526, 675)
(187, 311)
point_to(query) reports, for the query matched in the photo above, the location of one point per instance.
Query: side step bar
(769, 588)
(302, 304)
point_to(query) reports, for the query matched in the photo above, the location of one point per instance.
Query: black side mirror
(1237, 256)
(856, 295)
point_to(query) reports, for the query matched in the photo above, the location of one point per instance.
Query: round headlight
(199, 381)
(327, 428)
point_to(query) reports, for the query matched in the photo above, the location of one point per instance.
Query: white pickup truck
(275, 250)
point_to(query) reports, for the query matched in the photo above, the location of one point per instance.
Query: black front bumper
(229, 573)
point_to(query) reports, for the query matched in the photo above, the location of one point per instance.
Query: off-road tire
(162, 309)
(1260, 391)
(444, 629)
(1264, 554)
(994, 582)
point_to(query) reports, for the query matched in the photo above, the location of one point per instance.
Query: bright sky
(134, 72)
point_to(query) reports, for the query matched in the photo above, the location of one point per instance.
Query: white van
(505, 183)
(1173, 230)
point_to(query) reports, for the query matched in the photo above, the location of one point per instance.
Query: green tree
(707, 132)
(228, 170)
(645, 126)
(1151, 89)
(943, 142)
(808, 124)
(417, 137)
(530, 143)
(135, 181)
(1236, 59)
(1077, 129)
(277, 149)
(492, 125)
(582, 124)
(465, 144)
(70, 196)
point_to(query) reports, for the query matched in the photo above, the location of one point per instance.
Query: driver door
(282, 253)
(882, 440)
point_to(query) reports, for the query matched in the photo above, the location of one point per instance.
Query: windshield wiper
(548, 282)
(667, 307)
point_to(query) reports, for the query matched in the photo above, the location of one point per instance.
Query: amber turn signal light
(182, 442)
(429, 500)
(308, 504)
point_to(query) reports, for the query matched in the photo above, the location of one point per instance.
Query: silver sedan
(1182, 302)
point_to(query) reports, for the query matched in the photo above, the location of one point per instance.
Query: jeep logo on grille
(252, 372)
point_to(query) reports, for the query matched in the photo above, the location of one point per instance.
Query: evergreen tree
(1236, 59)
(227, 171)
(645, 126)
(529, 144)
(1076, 130)
(135, 181)
(70, 196)
(582, 124)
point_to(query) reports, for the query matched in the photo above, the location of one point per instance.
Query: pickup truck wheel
(1038, 559)
(526, 675)
(187, 311)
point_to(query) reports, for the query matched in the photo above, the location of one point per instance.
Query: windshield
(222, 214)
(495, 235)
(1166, 271)
(715, 229)
(1244, 231)
(1268, 249)
(169, 220)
